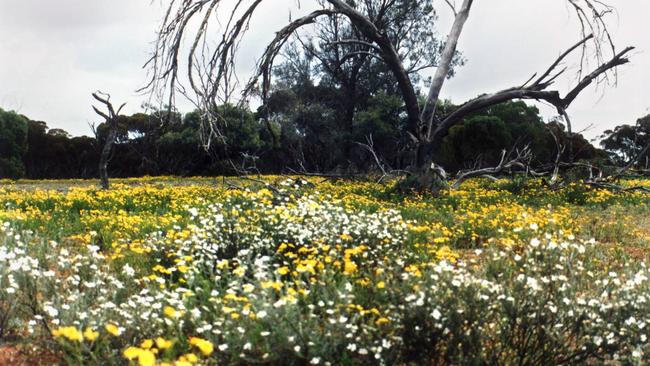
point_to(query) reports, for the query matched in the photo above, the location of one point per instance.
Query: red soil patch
(11, 355)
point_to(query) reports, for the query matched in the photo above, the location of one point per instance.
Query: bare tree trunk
(425, 176)
(110, 119)
(350, 105)
(429, 110)
(103, 158)
(569, 127)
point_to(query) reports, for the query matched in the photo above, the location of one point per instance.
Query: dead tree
(111, 119)
(210, 70)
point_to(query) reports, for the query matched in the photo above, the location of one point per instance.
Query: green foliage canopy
(13, 144)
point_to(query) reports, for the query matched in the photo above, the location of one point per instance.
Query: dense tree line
(309, 140)
(13, 144)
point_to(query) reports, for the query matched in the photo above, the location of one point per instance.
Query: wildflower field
(217, 271)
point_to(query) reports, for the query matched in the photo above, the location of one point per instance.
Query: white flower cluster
(551, 302)
(43, 283)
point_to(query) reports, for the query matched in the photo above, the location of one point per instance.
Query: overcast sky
(53, 54)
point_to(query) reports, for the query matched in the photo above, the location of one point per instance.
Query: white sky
(53, 54)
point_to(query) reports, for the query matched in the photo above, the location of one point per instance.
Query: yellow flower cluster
(75, 335)
(204, 346)
(146, 354)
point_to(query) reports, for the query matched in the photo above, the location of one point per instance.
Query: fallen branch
(520, 161)
(615, 187)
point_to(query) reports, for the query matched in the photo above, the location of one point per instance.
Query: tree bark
(110, 119)
(426, 177)
(429, 110)
(105, 155)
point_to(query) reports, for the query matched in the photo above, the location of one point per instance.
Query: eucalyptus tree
(342, 56)
(630, 144)
(209, 65)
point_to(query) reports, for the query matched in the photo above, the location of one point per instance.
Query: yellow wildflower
(71, 333)
(170, 312)
(162, 343)
(183, 268)
(131, 353)
(146, 344)
(350, 267)
(113, 329)
(239, 271)
(203, 345)
(145, 357)
(189, 357)
(381, 321)
(90, 334)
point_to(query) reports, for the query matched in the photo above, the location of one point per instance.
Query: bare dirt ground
(11, 355)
